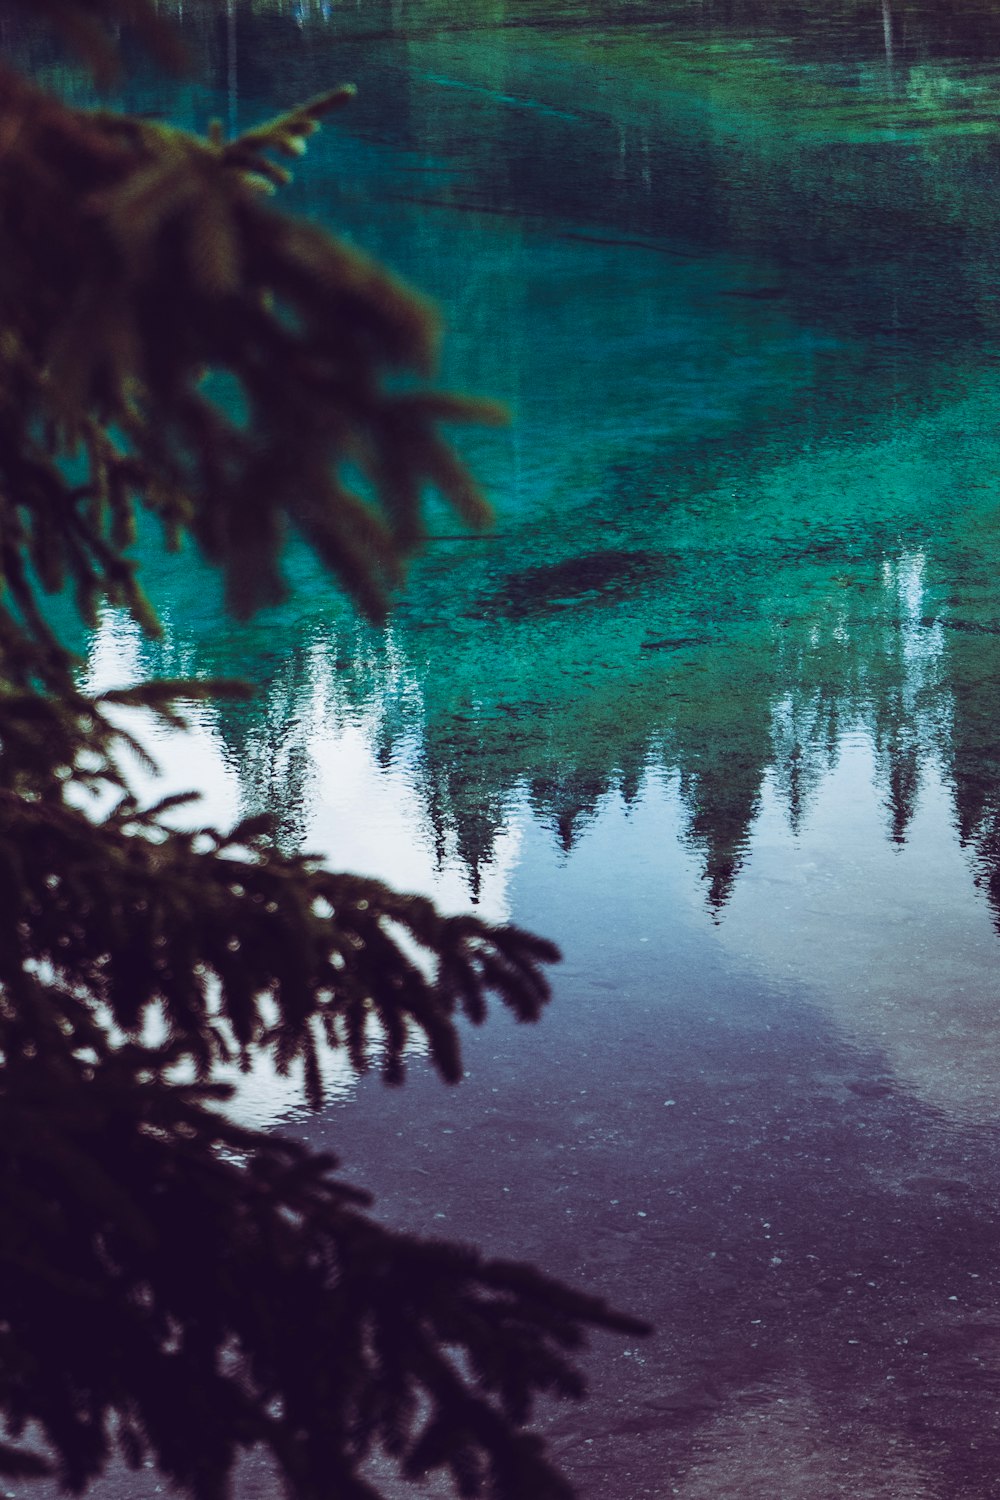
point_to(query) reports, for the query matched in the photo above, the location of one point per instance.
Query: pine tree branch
(169, 1283)
(241, 357)
(163, 1265)
(242, 949)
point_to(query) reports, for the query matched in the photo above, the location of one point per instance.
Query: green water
(715, 704)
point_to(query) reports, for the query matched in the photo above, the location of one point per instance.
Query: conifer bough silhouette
(173, 1287)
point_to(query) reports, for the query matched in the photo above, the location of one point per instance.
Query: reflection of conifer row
(774, 709)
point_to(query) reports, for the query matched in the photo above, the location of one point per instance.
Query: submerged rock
(608, 574)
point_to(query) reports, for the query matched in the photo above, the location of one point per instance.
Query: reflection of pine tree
(972, 749)
(466, 816)
(266, 745)
(723, 802)
(804, 731)
(567, 802)
(900, 770)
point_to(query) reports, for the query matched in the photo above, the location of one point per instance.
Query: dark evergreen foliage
(172, 1285)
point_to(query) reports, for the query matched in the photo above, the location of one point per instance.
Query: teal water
(714, 705)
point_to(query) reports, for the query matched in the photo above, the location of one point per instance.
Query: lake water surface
(714, 705)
